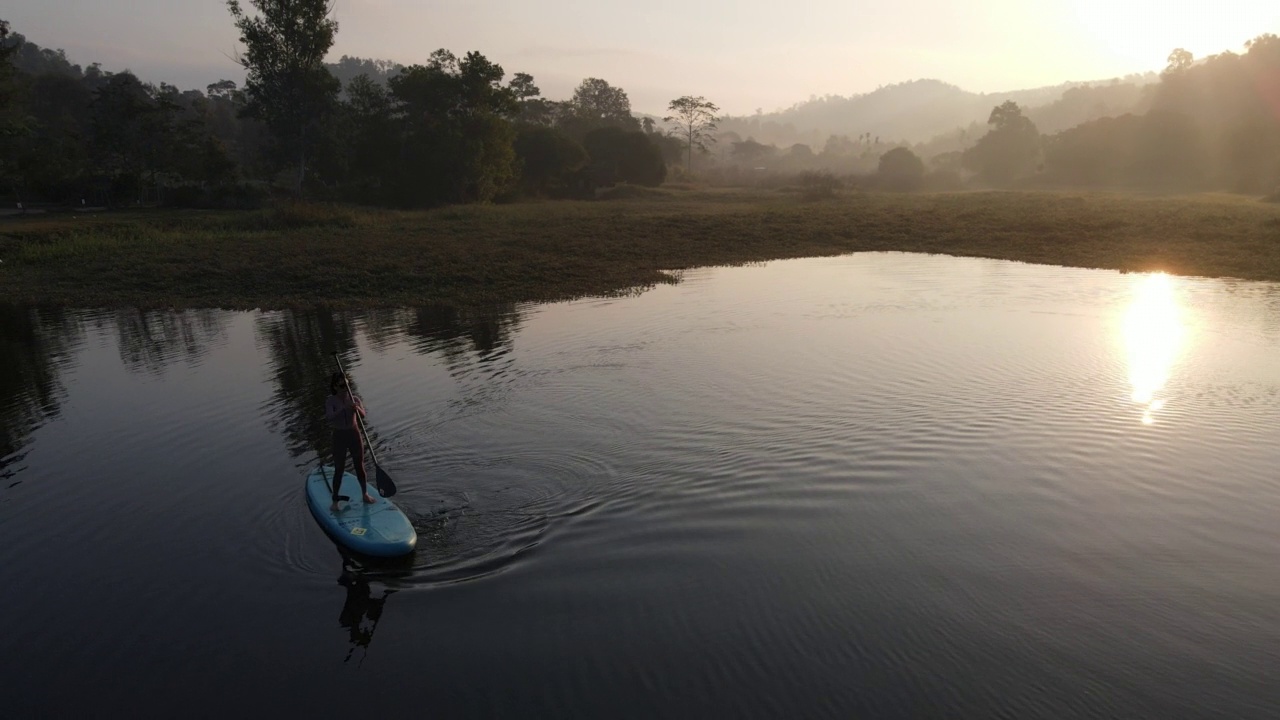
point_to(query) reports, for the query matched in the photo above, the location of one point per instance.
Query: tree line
(457, 129)
(453, 129)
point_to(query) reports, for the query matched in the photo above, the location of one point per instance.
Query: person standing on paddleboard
(340, 410)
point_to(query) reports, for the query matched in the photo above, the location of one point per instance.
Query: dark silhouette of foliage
(287, 85)
(1213, 124)
(458, 142)
(349, 68)
(900, 170)
(549, 160)
(595, 104)
(456, 129)
(619, 155)
(750, 152)
(1010, 150)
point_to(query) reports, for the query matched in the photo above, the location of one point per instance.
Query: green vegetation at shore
(468, 255)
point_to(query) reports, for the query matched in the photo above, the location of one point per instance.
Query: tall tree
(458, 130)
(11, 120)
(534, 109)
(1179, 60)
(7, 50)
(374, 135)
(134, 132)
(597, 104)
(287, 85)
(695, 118)
(1009, 150)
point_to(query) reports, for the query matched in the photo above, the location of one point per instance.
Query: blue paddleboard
(377, 528)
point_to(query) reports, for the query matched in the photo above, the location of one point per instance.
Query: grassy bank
(555, 250)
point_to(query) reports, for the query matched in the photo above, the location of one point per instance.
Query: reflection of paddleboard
(377, 529)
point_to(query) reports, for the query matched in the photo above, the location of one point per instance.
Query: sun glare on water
(1154, 333)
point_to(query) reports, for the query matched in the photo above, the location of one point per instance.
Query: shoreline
(351, 257)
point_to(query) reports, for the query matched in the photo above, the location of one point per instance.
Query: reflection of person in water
(360, 605)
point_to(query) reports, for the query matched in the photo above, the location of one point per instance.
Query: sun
(1142, 33)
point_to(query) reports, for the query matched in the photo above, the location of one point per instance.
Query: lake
(879, 485)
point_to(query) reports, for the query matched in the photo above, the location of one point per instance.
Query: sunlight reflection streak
(1154, 333)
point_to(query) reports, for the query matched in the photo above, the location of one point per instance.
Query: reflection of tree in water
(442, 327)
(152, 340)
(35, 347)
(384, 328)
(449, 330)
(301, 345)
(475, 344)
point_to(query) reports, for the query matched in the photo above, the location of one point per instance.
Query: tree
(548, 159)
(1179, 60)
(1009, 150)
(900, 169)
(627, 156)
(11, 116)
(7, 50)
(221, 89)
(534, 109)
(458, 131)
(750, 152)
(372, 134)
(597, 104)
(523, 87)
(349, 68)
(695, 118)
(800, 151)
(1170, 151)
(133, 126)
(287, 85)
(56, 154)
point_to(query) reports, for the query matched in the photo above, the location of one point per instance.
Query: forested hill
(919, 110)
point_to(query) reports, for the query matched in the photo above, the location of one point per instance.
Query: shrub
(900, 170)
(818, 184)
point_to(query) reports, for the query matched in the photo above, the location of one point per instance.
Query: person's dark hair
(335, 383)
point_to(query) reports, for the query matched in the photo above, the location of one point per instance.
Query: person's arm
(351, 401)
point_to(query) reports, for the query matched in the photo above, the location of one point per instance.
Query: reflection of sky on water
(1154, 333)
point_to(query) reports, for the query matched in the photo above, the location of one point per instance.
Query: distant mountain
(919, 110)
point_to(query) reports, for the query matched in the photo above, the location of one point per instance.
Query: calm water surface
(881, 485)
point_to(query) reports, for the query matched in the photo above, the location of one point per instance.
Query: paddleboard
(378, 528)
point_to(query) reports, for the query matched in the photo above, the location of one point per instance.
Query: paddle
(385, 484)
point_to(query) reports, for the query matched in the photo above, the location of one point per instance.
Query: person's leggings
(348, 441)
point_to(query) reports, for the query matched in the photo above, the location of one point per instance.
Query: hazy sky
(742, 54)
